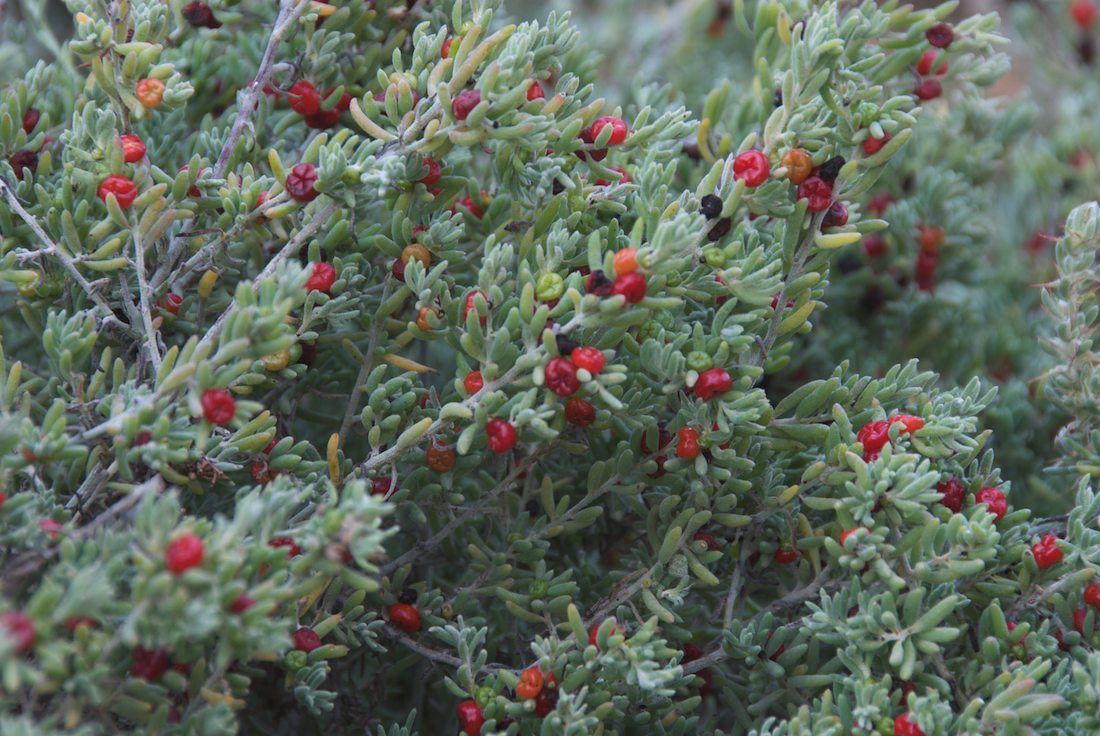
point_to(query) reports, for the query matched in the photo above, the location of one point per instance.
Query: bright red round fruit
(579, 412)
(218, 405)
(927, 61)
(873, 436)
(847, 533)
(292, 548)
(471, 307)
(19, 630)
(464, 103)
(470, 717)
(300, 183)
(304, 98)
(535, 92)
(929, 89)
(1091, 596)
(687, 443)
(1083, 13)
(873, 145)
(713, 382)
(631, 286)
(940, 35)
(502, 435)
(321, 278)
(435, 172)
(171, 303)
(619, 129)
(561, 377)
(589, 358)
(473, 382)
(1046, 552)
(305, 640)
(405, 617)
(707, 539)
(183, 553)
(994, 501)
(124, 190)
(954, 493)
(593, 633)
(751, 167)
(148, 664)
(785, 555)
(903, 726)
(817, 192)
(133, 148)
(468, 202)
(836, 215)
(381, 486)
(908, 422)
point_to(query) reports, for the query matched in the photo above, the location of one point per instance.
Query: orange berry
(626, 261)
(418, 252)
(149, 92)
(799, 165)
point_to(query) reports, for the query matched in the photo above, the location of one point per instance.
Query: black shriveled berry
(721, 228)
(565, 345)
(711, 206)
(829, 170)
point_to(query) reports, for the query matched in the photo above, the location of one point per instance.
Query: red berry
(908, 422)
(292, 549)
(199, 15)
(502, 435)
(618, 126)
(218, 405)
(405, 617)
(546, 701)
(30, 119)
(305, 640)
(321, 278)
(929, 89)
(873, 145)
(75, 622)
(1079, 616)
(148, 664)
(323, 119)
(464, 103)
(579, 412)
(304, 98)
(708, 540)
(242, 603)
(593, 634)
(713, 382)
(631, 286)
(124, 190)
(874, 246)
(836, 215)
(471, 307)
(171, 303)
(597, 283)
(470, 717)
(435, 172)
(25, 160)
(380, 486)
(879, 203)
(1046, 552)
(561, 377)
(752, 167)
(1091, 595)
(262, 473)
(19, 630)
(473, 382)
(589, 358)
(1083, 13)
(535, 92)
(183, 553)
(940, 35)
(785, 555)
(927, 60)
(994, 501)
(51, 527)
(847, 533)
(445, 50)
(903, 726)
(873, 436)
(468, 202)
(300, 183)
(133, 148)
(817, 192)
(687, 444)
(954, 493)
(624, 178)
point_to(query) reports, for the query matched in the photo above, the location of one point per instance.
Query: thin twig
(145, 299)
(52, 249)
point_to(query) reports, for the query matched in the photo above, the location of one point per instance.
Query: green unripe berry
(673, 279)
(699, 361)
(714, 257)
(650, 330)
(538, 589)
(550, 286)
(484, 695)
(295, 660)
